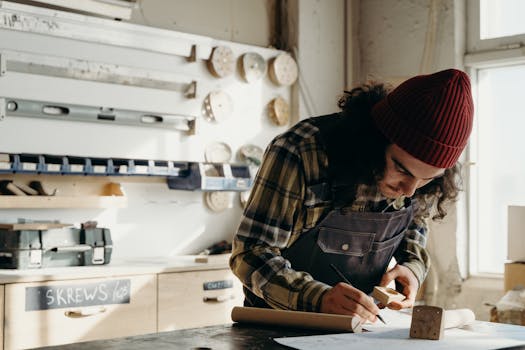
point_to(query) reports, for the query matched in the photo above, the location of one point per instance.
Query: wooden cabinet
(197, 298)
(60, 312)
(1, 314)
(49, 309)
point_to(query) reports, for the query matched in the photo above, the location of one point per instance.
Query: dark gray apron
(359, 244)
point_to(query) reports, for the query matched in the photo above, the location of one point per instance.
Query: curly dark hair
(367, 147)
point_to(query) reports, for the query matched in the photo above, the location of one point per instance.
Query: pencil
(344, 279)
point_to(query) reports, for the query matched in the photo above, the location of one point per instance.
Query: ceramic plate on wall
(221, 62)
(250, 154)
(283, 70)
(217, 106)
(217, 201)
(279, 111)
(252, 66)
(217, 152)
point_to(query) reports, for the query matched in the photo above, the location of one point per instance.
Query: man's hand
(404, 276)
(346, 300)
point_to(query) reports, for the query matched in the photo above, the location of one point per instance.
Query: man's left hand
(406, 278)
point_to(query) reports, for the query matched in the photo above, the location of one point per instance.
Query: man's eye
(401, 170)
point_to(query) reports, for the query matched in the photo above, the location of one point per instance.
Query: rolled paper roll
(458, 318)
(298, 319)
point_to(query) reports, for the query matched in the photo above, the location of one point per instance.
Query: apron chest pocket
(337, 241)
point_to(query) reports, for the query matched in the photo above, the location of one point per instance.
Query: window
(499, 155)
(495, 24)
(501, 18)
(496, 63)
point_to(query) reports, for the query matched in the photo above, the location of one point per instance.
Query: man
(354, 189)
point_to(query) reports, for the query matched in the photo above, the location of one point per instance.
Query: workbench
(231, 337)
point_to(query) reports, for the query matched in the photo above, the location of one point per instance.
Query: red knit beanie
(429, 116)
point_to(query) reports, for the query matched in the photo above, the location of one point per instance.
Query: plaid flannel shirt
(283, 205)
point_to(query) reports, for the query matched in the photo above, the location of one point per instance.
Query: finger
(355, 301)
(364, 307)
(365, 301)
(388, 277)
(337, 301)
(398, 305)
(359, 310)
(341, 304)
(395, 305)
(362, 299)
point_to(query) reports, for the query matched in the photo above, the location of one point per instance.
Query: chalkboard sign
(65, 296)
(213, 285)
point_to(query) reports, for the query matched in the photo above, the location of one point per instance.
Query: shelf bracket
(191, 90)
(193, 54)
(3, 67)
(2, 109)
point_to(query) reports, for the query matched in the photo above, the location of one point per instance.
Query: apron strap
(341, 182)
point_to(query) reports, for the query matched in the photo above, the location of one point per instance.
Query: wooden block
(112, 189)
(41, 189)
(27, 190)
(386, 295)
(427, 322)
(7, 187)
(203, 259)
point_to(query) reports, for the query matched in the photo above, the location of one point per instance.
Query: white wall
(242, 21)
(320, 31)
(393, 37)
(157, 221)
(161, 222)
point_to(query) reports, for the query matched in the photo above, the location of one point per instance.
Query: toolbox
(38, 245)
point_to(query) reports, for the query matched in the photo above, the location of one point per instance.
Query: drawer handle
(218, 299)
(84, 313)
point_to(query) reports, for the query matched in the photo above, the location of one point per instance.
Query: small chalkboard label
(214, 285)
(65, 296)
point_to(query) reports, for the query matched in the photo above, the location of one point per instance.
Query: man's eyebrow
(400, 165)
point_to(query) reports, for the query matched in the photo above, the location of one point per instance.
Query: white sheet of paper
(395, 336)
(394, 320)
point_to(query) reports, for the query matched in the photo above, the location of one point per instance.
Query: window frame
(475, 44)
(481, 54)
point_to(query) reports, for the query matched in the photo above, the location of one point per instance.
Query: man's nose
(409, 186)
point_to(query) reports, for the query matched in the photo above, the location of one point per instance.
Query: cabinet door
(1, 316)
(60, 312)
(197, 298)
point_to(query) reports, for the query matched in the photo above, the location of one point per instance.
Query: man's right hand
(346, 300)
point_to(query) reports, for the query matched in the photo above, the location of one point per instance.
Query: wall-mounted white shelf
(61, 202)
(67, 192)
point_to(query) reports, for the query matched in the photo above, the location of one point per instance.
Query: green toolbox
(36, 245)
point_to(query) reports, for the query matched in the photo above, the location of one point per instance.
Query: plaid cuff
(310, 297)
(418, 268)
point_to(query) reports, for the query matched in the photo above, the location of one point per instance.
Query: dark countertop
(223, 337)
(230, 337)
